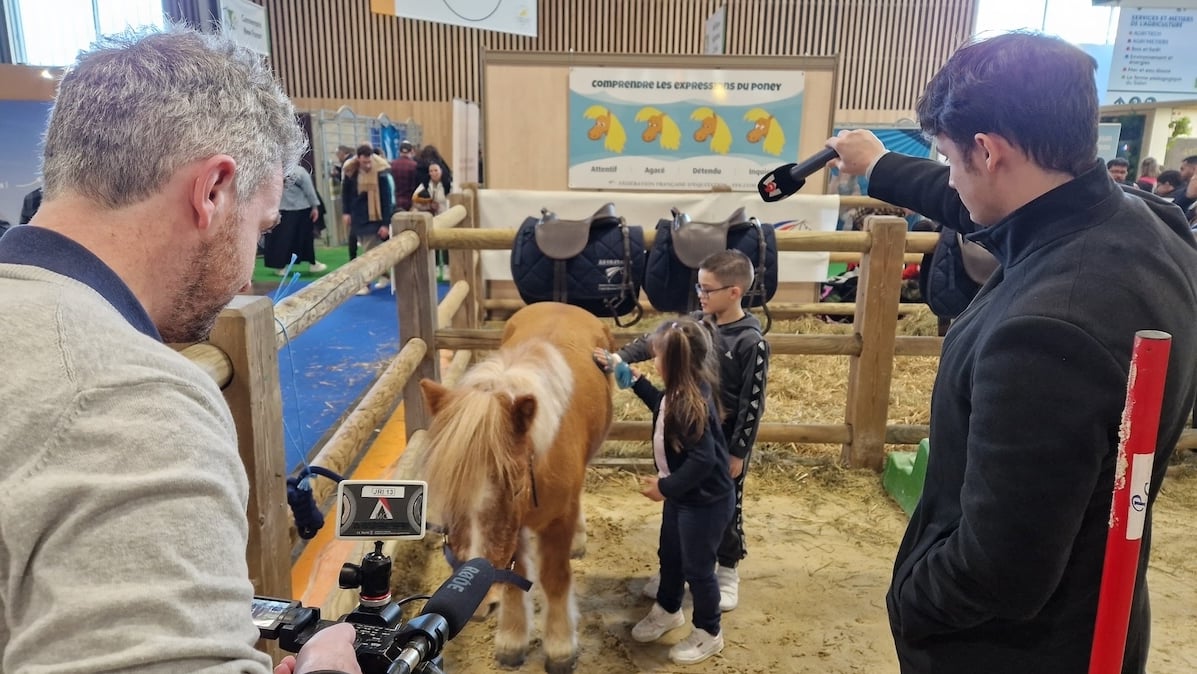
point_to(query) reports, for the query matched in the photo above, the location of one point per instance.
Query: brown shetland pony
(506, 461)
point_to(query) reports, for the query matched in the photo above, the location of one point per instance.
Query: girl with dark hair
(692, 479)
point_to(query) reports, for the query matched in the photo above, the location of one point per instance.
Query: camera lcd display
(267, 612)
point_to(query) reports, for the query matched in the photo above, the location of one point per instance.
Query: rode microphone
(445, 614)
(785, 181)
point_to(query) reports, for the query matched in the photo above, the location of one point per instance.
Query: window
(1077, 21)
(52, 32)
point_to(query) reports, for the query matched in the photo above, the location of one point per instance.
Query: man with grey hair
(122, 496)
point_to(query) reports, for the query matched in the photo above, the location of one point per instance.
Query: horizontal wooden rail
(295, 314)
(451, 303)
(898, 434)
(812, 242)
(849, 258)
(356, 431)
(502, 238)
(212, 360)
(779, 310)
(790, 345)
(452, 217)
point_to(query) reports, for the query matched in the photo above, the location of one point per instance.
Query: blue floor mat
(327, 369)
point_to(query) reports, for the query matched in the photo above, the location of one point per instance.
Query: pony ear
(523, 412)
(434, 395)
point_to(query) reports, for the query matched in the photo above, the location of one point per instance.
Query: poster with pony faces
(681, 129)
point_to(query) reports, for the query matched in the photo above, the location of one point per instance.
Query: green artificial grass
(333, 257)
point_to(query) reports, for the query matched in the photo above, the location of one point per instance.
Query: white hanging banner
(504, 16)
(245, 23)
(715, 31)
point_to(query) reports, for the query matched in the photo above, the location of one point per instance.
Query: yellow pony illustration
(606, 124)
(714, 128)
(659, 125)
(767, 127)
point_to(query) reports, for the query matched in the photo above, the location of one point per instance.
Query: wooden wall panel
(340, 50)
(515, 156)
(26, 83)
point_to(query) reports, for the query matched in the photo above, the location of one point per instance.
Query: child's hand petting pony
(650, 489)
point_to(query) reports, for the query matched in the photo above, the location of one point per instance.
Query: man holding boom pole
(1000, 568)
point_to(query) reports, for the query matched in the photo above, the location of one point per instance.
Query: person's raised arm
(910, 182)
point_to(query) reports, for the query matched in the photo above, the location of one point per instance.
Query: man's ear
(991, 150)
(213, 189)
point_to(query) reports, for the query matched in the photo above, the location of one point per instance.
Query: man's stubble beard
(205, 292)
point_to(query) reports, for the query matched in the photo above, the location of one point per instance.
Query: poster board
(526, 107)
(681, 129)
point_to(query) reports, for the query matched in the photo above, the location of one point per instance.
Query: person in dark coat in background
(299, 211)
(368, 201)
(1000, 568)
(430, 155)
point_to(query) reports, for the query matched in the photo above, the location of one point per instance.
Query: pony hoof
(561, 666)
(578, 552)
(512, 660)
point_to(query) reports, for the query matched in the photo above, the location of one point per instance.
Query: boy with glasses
(723, 279)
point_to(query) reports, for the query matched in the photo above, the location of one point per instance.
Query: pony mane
(473, 431)
(775, 138)
(671, 135)
(702, 113)
(645, 113)
(594, 112)
(754, 114)
(722, 140)
(616, 136)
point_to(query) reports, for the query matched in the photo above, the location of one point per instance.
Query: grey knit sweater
(122, 496)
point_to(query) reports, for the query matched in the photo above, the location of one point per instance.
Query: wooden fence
(242, 356)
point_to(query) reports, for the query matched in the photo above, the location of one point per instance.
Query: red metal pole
(1132, 479)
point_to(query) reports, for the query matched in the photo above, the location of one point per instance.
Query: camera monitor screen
(267, 612)
(373, 509)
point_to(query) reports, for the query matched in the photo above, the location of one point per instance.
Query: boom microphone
(785, 181)
(445, 614)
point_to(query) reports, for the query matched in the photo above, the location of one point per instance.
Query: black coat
(1000, 568)
(699, 474)
(743, 374)
(357, 206)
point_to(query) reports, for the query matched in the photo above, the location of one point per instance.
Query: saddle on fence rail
(682, 244)
(595, 263)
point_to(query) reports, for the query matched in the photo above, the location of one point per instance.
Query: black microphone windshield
(457, 598)
(785, 181)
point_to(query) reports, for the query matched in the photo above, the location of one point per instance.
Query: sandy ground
(812, 596)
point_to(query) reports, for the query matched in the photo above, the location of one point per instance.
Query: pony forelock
(470, 437)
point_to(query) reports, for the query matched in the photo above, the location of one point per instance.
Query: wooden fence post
(415, 288)
(876, 324)
(463, 266)
(245, 332)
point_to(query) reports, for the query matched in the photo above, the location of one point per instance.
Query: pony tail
(684, 352)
